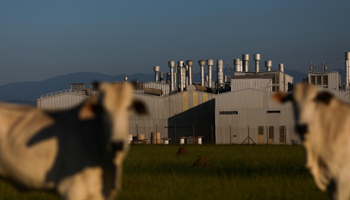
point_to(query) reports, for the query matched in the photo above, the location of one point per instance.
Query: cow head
(305, 99)
(118, 102)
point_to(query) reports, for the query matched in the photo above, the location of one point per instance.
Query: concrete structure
(280, 80)
(330, 80)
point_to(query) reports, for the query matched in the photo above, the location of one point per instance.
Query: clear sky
(43, 39)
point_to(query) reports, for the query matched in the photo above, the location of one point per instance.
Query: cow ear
(139, 107)
(87, 111)
(280, 97)
(324, 97)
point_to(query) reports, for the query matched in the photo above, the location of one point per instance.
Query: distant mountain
(298, 76)
(33, 90)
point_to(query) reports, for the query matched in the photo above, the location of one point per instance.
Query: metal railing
(62, 92)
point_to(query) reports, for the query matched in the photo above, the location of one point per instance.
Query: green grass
(236, 172)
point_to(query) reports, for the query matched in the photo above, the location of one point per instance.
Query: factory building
(280, 80)
(234, 111)
(324, 79)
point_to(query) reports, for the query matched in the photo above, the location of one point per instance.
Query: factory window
(273, 80)
(319, 80)
(313, 80)
(282, 134)
(271, 132)
(273, 111)
(228, 112)
(277, 78)
(261, 130)
(325, 80)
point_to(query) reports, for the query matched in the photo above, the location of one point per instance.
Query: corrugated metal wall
(256, 83)
(185, 110)
(252, 106)
(61, 101)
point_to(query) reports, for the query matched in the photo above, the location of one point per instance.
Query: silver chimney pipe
(171, 65)
(168, 77)
(257, 60)
(281, 67)
(322, 67)
(210, 63)
(186, 76)
(347, 68)
(190, 64)
(179, 72)
(268, 65)
(311, 68)
(241, 66)
(182, 79)
(126, 79)
(156, 70)
(237, 63)
(161, 76)
(325, 68)
(225, 78)
(202, 63)
(207, 78)
(245, 57)
(220, 71)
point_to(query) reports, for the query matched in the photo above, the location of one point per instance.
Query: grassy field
(235, 172)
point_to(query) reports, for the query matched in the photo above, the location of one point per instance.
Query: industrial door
(260, 135)
(282, 135)
(271, 135)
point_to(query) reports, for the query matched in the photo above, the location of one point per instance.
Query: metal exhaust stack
(168, 77)
(181, 80)
(245, 57)
(257, 60)
(268, 65)
(237, 63)
(347, 69)
(220, 71)
(202, 63)
(126, 79)
(156, 71)
(210, 63)
(311, 68)
(186, 76)
(190, 64)
(179, 73)
(161, 76)
(171, 65)
(281, 67)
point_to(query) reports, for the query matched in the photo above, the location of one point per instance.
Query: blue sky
(43, 39)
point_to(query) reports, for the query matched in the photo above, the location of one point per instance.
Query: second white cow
(323, 123)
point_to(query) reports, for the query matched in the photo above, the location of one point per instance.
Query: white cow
(78, 152)
(323, 123)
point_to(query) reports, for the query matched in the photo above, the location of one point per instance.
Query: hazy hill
(28, 92)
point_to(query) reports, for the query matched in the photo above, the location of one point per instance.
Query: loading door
(260, 135)
(271, 135)
(282, 135)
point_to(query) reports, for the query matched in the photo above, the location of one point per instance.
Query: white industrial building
(238, 110)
